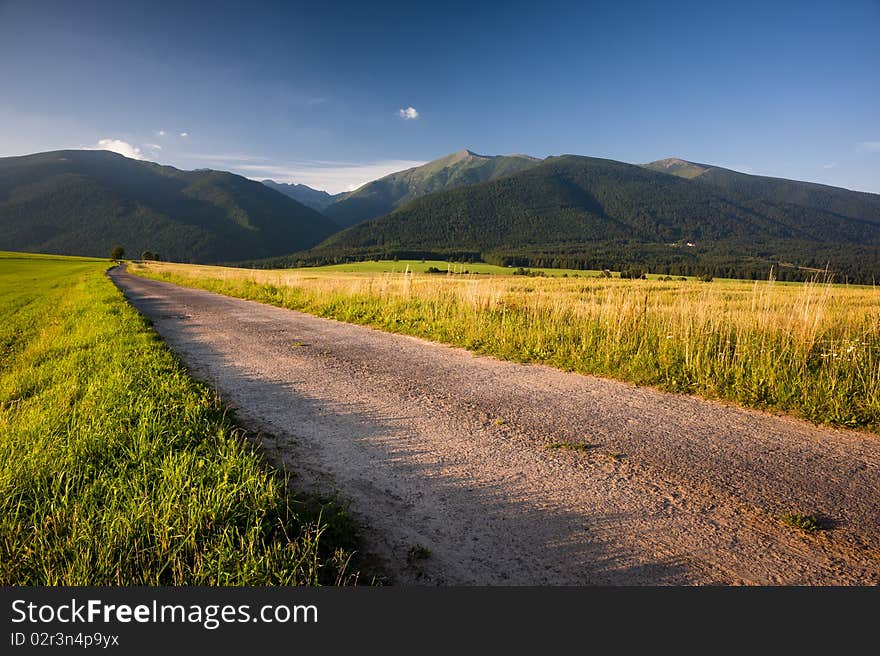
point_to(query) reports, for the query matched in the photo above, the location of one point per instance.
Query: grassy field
(116, 468)
(810, 349)
(421, 266)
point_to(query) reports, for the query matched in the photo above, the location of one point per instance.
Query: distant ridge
(82, 202)
(843, 202)
(314, 198)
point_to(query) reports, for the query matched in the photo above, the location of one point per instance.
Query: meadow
(116, 468)
(807, 349)
(456, 268)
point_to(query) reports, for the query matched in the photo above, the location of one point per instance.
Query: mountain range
(83, 202)
(670, 216)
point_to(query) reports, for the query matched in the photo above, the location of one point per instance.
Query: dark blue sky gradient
(789, 89)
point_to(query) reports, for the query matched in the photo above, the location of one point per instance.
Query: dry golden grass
(812, 349)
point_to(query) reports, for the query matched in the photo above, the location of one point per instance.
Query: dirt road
(430, 446)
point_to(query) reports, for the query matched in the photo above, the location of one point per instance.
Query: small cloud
(121, 147)
(160, 133)
(829, 165)
(184, 134)
(408, 114)
(154, 146)
(870, 146)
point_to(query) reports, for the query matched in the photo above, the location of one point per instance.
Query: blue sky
(313, 92)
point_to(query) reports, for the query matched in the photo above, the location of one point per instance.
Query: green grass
(806, 523)
(117, 468)
(418, 552)
(808, 349)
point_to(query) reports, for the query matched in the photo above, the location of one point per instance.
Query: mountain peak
(677, 166)
(669, 162)
(458, 169)
(463, 154)
(466, 154)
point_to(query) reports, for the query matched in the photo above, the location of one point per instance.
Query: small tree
(117, 252)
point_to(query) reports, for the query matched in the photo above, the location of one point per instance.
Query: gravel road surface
(431, 446)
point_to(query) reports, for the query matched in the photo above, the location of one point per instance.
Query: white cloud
(121, 147)
(184, 134)
(408, 114)
(160, 133)
(829, 165)
(870, 146)
(334, 177)
(154, 146)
